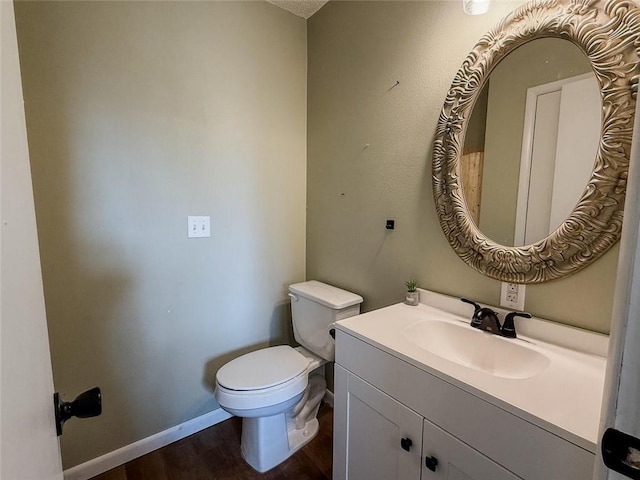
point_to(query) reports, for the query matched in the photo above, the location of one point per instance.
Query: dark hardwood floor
(214, 453)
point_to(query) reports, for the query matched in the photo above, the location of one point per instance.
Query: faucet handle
(484, 318)
(471, 302)
(508, 328)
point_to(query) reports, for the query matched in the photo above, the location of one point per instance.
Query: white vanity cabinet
(381, 399)
(386, 440)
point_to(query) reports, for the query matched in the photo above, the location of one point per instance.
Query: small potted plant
(413, 296)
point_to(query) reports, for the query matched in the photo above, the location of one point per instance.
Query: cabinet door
(375, 437)
(451, 459)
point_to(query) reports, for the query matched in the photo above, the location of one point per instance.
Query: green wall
(140, 114)
(357, 51)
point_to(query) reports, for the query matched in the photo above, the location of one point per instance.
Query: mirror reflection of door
(495, 135)
(561, 134)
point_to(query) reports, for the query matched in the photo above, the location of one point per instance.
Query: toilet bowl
(272, 390)
(277, 390)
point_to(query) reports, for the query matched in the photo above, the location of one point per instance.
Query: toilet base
(299, 438)
(266, 442)
(269, 441)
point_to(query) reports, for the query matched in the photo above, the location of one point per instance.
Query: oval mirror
(606, 32)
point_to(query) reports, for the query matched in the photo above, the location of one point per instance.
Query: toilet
(277, 390)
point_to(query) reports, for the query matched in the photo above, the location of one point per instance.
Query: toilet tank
(314, 308)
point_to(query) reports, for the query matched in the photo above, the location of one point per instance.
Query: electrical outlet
(512, 296)
(198, 226)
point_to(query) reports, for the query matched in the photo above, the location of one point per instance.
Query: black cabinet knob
(431, 463)
(406, 443)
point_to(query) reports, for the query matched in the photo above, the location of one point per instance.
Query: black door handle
(406, 443)
(87, 404)
(431, 463)
(621, 453)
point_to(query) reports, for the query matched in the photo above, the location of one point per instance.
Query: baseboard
(328, 398)
(106, 462)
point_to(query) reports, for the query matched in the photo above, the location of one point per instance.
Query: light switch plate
(198, 226)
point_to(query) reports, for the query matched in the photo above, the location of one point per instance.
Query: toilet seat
(263, 378)
(262, 398)
(262, 369)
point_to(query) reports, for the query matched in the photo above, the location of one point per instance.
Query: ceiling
(301, 8)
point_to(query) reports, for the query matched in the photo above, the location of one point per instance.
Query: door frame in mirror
(607, 32)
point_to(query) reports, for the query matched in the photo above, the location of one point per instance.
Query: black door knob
(431, 463)
(87, 404)
(619, 451)
(406, 443)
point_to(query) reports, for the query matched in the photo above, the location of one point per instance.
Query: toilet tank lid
(326, 295)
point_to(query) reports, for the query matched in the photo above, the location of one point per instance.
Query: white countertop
(564, 398)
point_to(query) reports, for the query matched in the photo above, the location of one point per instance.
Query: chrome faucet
(487, 320)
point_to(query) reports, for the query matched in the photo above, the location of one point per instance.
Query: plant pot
(412, 298)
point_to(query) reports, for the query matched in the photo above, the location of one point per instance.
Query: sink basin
(501, 357)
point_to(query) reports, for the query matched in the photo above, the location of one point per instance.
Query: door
(374, 435)
(579, 124)
(28, 443)
(559, 145)
(622, 382)
(447, 458)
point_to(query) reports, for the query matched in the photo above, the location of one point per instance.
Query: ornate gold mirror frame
(607, 31)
